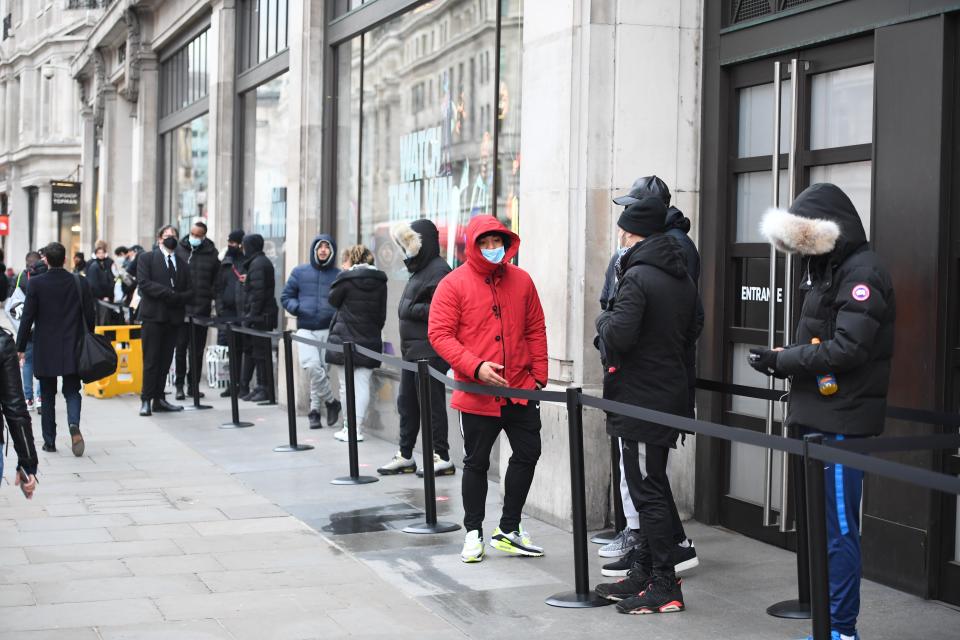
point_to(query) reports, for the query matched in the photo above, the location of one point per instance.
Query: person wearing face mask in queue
(101, 275)
(486, 321)
(200, 254)
(228, 288)
(163, 279)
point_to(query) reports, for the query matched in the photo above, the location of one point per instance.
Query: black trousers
(645, 468)
(408, 406)
(159, 343)
(521, 423)
(256, 357)
(182, 366)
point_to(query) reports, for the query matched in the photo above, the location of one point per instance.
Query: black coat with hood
(101, 278)
(14, 406)
(645, 335)
(359, 296)
(229, 295)
(848, 304)
(259, 309)
(204, 265)
(420, 242)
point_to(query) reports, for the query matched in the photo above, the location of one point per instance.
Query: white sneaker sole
(615, 553)
(472, 559)
(686, 565)
(614, 573)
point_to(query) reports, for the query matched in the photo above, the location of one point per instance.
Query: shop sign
(65, 196)
(752, 293)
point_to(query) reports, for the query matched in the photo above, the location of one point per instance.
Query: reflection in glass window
(348, 142)
(754, 197)
(508, 111)
(855, 180)
(841, 112)
(755, 125)
(186, 174)
(266, 154)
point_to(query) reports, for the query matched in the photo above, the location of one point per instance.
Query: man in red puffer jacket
(487, 322)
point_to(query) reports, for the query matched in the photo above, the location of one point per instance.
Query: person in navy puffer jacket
(306, 297)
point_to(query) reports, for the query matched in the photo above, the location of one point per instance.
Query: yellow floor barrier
(129, 375)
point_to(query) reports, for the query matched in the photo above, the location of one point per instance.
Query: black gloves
(764, 361)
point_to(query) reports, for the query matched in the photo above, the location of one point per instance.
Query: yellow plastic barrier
(129, 375)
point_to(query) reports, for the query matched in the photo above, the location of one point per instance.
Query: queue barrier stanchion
(293, 445)
(234, 357)
(354, 477)
(817, 541)
(269, 379)
(426, 438)
(194, 359)
(619, 520)
(582, 597)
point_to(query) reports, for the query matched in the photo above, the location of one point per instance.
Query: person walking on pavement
(849, 310)
(79, 263)
(228, 289)
(14, 308)
(58, 310)
(306, 296)
(101, 277)
(644, 337)
(17, 417)
(163, 279)
(487, 322)
(420, 242)
(259, 312)
(624, 547)
(200, 254)
(359, 295)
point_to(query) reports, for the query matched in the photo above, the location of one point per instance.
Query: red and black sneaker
(636, 581)
(663, 595)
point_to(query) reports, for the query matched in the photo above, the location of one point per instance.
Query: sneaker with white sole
(685, 557)
(441, 467)
(472, 547)
(344, 435)
(620, 546)
(515, 543)
(398, 465)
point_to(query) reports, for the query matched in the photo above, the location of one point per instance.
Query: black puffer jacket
(14, 406)
(420, 242)
(849, 305)
(645, 335)
(204, 265)
(228, 288)
(259, 288)
(100, 278)
(360, 297)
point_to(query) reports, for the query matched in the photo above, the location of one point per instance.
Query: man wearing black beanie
(652, 321)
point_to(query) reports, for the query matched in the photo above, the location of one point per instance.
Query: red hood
(479, 226)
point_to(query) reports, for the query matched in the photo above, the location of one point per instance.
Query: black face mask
(170, 243)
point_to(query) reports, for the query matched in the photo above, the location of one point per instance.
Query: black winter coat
(259, 297)
(101, 279)
(54, 315)
(645, 336)
(360, 297)
(849, 305)
(420, 242)
(161, 300)
(204, 265)
(15, 407)
(228, 289)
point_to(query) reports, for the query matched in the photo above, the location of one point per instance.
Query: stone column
(223, 145)
(46, 225)
(146, 154)
(4, 116)
(28, 105)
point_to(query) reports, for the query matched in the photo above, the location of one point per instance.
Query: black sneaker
(636, 581)
(685, 558)
(316, 422)
(49, 448)
(663, 595)
(620, 567)
(257, 395)
(333, 412)
(225, 393)
(179, 393)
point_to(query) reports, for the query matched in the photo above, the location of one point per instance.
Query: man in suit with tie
(164, 282)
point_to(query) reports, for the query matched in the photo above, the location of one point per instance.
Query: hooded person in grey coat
(420, 242)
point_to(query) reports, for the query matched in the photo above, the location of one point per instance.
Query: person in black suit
(164, 282)
(56, 312)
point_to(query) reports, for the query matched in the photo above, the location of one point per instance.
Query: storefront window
(186, 172)
(348, 142)
(508, 110)
(266, 156)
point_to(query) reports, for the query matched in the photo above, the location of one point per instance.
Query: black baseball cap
(643, 187)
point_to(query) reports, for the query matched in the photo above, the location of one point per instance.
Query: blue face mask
(194, 242)
(494, 255)
(622, 251)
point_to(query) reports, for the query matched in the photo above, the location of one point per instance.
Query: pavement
(171, 527)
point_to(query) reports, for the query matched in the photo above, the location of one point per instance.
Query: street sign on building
(65, 196)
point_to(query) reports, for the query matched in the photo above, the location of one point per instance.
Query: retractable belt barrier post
(817, 525)
(426, 439)
(354, 477)
(291, 399)
(798, 609)
(195, 361)
(234, 358)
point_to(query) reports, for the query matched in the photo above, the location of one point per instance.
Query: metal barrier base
(790, 609)
(574, 600)
(236, 425)
(285, 448)
(358, 480)
(426, 527)
(605, 537)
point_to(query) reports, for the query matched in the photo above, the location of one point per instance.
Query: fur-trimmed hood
(822, 220)
(419, 240)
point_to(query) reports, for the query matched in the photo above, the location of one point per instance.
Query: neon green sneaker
(516, 543)
(472, 547)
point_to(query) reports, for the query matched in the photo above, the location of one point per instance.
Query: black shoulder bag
(96, 357)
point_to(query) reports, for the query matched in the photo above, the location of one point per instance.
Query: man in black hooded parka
(420, 242)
